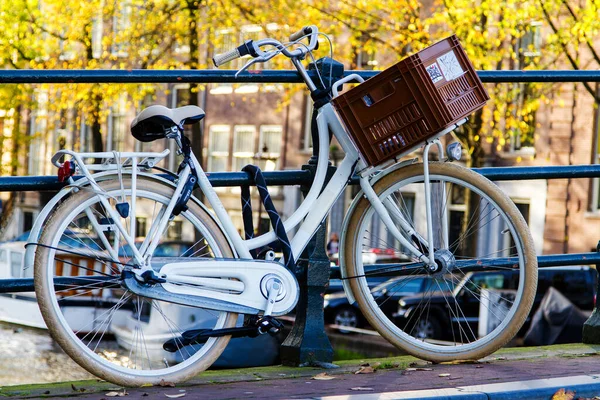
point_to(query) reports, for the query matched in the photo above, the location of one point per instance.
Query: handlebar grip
(224, 58)
(302, 32)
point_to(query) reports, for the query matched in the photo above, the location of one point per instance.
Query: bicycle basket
(398, 109)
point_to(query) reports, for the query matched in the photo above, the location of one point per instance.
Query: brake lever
(263, 58)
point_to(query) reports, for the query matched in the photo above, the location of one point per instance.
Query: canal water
(29, 355)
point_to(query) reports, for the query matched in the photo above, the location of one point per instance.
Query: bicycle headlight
(454, 151)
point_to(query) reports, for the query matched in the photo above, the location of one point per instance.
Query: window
(381, 238)
(175, 230)
(243, 146)
(306, 144)
(225, 40)
(365, 59)
(116, 126)
(3, 256)
(97, 33)
(269, 146)
(531, 41)
(140, 226)
(218, 148)
(456, 214)
(38, 127)
(523, 207)
(121, 23)
(27, 221)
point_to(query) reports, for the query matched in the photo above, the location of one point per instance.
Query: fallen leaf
(365, 370)
(458, 362)
(479, 366)
(562, 394)
(362, 389)
(164, 383)
(323, 376)
(175, 396)
(116, 394)
(443, 375)
(147, 385)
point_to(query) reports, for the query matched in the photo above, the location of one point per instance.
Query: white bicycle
(142, 311)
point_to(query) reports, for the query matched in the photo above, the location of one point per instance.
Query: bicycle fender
(83, 182)
(351, 208)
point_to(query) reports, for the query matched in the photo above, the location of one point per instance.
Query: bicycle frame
(327, 121)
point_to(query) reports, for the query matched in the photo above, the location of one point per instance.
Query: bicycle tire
(92, 360)
(405, 336)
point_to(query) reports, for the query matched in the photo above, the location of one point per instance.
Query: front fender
(74, 188)
(357, 198)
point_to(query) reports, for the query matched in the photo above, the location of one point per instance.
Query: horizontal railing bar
(260, 76)
(540, 172)
(217, 179)
(17, 285)
(545, 261)
(304, 177)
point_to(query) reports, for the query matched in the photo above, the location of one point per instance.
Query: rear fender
(42, 217)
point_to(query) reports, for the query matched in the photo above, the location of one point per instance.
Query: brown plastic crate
(401, 107)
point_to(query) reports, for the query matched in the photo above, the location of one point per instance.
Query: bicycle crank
(240, 286)
(255, 327)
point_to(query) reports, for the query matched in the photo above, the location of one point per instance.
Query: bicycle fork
(391, 215)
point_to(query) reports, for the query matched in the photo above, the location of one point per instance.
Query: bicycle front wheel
(111, 332)
(480, 292)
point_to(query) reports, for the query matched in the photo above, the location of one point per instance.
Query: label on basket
(434, 72)
(450, 66)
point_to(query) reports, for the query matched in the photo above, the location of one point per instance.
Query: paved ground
(390, 375)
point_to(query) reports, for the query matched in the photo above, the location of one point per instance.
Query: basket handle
(351, 77)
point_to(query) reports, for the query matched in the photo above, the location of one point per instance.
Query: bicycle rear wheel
(484, 285)
(111, 332)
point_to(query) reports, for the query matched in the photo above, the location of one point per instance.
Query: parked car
(369, 257)
(173, 248)
(339, 311)
(578, 284)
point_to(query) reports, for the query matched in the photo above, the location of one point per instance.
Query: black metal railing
(306, 343)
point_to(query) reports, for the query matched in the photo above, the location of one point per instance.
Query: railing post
(591, 327)
(308, 343)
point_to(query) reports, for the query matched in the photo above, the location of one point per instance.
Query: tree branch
(361, 31)
(565, 48)
(587, 40)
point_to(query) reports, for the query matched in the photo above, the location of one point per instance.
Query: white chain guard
(233, 281)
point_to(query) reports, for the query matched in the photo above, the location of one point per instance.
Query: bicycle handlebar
(226, 57)
(302, 32)
(253, 48)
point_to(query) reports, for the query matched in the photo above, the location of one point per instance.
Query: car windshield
(480, 281)
(414, 284)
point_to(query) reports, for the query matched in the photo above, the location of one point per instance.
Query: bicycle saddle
(155, 121)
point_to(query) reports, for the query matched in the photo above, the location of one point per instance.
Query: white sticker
(450, 66)
(434, 72)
